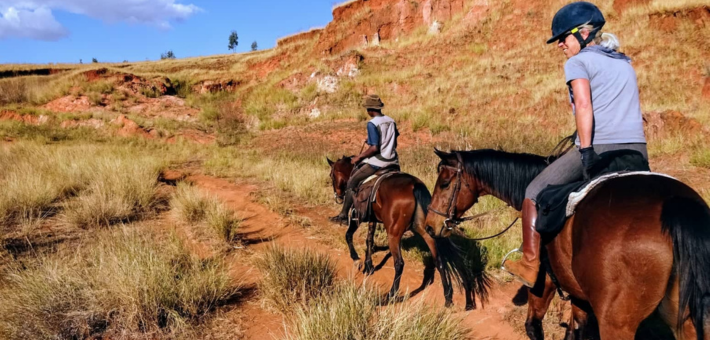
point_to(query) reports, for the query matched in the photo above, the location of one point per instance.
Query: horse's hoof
(470, 307)
(449, 304)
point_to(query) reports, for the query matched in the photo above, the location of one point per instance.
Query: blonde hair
(606, 40)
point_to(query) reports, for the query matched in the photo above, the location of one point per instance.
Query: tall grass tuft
(122, 284)
(192, 206)
(293, 277)
(87, 184)
(120, 190)
(354, 312)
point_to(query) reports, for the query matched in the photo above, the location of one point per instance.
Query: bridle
(338, 199)
(451, 220)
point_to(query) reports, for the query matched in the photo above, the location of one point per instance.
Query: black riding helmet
(574, 15)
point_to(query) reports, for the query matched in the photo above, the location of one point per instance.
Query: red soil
(69, 104)
(169, 107)
(668, 21)
(27, 119)
(129, 128)
(262, 228)
(660, 124)
(621, 5)
(706, 88)
(356, 24)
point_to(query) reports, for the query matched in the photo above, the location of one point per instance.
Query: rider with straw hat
(382, 151)
(605, 100)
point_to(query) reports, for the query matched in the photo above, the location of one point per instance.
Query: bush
(353, 312)
(191, 206)
(121, 190)
(122, 284)
(294, 277)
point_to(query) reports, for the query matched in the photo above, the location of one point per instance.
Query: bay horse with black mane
(635, 246)
(401, 204)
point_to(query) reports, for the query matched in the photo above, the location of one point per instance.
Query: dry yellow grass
(122, 284)
(192, 206)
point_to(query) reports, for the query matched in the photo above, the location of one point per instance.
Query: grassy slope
(494, 84)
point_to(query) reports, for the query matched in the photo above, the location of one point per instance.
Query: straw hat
(372, 101)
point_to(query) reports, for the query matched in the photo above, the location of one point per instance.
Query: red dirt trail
(261, 228)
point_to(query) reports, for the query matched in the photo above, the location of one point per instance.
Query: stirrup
(505, 258)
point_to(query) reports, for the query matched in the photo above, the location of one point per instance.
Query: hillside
(455, 74)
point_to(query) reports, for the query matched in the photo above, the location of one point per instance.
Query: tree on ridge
(233, 41)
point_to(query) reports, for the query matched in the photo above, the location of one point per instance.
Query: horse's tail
(466, 269)
(687, 221)
(423, 199)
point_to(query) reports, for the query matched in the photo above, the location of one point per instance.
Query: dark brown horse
(636, 245)
(401, 204)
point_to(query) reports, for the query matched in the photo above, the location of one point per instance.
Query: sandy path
(262, 227)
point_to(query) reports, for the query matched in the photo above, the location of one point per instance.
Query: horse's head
(339, 174)
(455, 192)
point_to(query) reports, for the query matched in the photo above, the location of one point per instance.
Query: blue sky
(64, 31)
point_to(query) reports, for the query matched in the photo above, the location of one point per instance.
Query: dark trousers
(361, 173)
(568, 168)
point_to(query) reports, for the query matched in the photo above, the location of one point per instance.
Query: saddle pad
(369, 179)
(578, 196)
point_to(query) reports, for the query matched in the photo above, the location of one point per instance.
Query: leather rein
(451, 220)
(450, 214)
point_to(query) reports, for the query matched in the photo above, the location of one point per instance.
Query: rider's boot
(527, 268)
(342, 218)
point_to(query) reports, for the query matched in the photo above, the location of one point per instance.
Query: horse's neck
(508, 179)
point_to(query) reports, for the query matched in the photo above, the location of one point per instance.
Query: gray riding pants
(568, 168)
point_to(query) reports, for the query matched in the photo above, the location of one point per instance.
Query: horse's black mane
(506, 174)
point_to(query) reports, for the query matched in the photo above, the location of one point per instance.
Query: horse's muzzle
(338, 199)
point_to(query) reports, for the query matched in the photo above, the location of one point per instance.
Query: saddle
(557, 202)
(366, 193)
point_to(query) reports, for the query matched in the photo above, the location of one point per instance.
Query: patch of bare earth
(262, 227)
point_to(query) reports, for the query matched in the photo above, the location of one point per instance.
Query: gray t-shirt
(615, 96)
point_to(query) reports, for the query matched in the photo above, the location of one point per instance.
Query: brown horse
(636, 245)
(401, 204)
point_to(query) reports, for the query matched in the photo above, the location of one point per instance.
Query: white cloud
(36, 24)
(33, 18)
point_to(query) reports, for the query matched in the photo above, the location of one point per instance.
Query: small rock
(435, 27)
(376, 39)
(315, 113)
(328, 84)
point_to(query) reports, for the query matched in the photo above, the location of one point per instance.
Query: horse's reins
(451, 219)
(338, 199)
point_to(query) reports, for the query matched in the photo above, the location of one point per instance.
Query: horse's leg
(349, 239)
(538, 306)
(578, 318)
(370, 243)
(448, 289)
(620, 309)
(668, 310)
(395, 250)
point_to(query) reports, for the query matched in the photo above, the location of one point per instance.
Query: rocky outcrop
(367, 22)
(212, 86)
(299, 37)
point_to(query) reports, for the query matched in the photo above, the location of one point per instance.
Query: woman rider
(605, 101)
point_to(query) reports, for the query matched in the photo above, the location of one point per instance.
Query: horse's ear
(446, 157)
(330, 162)
(442, 154)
